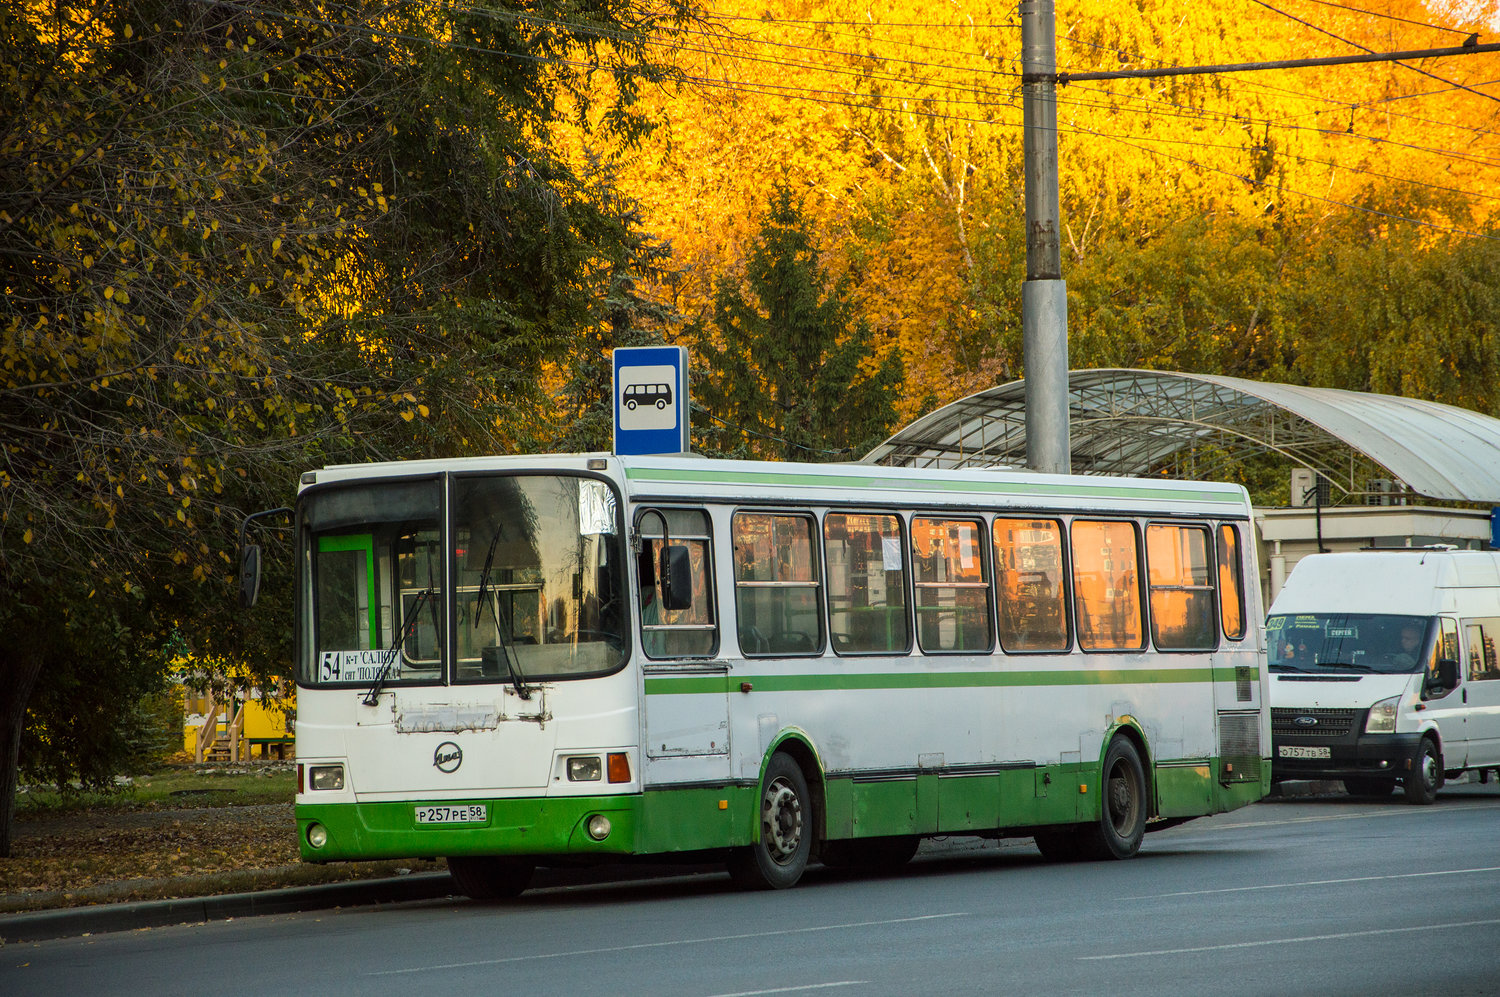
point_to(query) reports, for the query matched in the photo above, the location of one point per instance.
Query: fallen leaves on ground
(105, 857)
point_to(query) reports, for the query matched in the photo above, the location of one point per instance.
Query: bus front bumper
(568, 826)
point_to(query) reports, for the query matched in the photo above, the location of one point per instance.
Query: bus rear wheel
(487, 877)
(778, 860)
(1122, 805)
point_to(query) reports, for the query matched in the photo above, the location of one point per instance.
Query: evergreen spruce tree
(785, 370)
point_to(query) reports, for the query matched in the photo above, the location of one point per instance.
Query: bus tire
(487, 877)
(779, 858)
(1122, 805)
(1426, 776)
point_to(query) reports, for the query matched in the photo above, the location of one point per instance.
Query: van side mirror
(249, 575)
(1447, 675)
(675, 577)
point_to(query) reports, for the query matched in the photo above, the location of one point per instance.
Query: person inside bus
(1410, 647)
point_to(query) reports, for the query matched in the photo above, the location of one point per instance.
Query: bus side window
(1106, 586)
(1181, 589)
(677, 633)
(951, 585)
(866, 571)
(1231, 582)
(776, 584)
(1031, 584)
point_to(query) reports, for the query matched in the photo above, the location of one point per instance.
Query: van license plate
(1296, 751)
(472, 813)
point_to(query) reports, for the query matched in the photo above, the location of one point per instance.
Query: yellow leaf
(422, 410)
(407, 415)
(26, 537)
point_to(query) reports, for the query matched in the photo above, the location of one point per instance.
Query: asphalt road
(1323, 896)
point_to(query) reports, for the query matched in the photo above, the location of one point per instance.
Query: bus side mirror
(249, 575)
(675, 578)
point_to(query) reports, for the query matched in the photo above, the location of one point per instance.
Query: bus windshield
(1345, 642)
(532, 591)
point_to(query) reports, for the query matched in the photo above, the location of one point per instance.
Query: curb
(74, 921)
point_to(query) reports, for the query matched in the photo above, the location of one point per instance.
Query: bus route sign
(651, 400)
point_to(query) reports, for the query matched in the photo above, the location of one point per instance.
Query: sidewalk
(34, 926)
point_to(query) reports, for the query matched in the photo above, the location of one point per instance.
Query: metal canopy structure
(1148, 422)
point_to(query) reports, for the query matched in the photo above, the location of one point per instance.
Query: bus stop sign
(651, 400)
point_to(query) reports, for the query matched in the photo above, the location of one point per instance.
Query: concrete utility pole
(1044, 295)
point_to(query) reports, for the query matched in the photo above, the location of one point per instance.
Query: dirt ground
(91, 857)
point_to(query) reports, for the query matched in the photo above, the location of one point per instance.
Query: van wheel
(778, 860)
(1122, 805)
(1370, 787)
(1426, 776)
(483, 877)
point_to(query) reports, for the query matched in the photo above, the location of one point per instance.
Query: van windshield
(1349, 642)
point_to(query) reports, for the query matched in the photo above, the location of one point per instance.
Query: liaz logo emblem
(1300, 722)
(448, 757)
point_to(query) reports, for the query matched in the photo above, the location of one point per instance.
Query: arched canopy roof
(1137, 422)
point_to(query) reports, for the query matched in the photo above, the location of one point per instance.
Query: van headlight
(1382, 719)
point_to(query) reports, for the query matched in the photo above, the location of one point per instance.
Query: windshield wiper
(502, 627)
(394, 651)
(1287, 668)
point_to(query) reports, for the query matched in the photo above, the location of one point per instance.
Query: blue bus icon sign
(651, 400)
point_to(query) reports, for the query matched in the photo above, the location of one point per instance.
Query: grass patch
(170, 786)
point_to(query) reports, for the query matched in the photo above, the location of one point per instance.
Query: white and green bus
(519, 661)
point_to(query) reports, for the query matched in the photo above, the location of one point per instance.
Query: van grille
(1330, 723)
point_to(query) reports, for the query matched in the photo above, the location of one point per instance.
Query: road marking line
(795, 990)
(1291, 941)
(658, 945)
(1316, 882)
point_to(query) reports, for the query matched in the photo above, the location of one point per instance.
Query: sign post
(651, 400)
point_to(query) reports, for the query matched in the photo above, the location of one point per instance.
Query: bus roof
(689, 477)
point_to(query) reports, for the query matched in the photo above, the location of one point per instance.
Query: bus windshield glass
(532, 590)
(1348, 642)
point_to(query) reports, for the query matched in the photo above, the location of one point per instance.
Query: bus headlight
(1382, 719)
(598, 827)
(317, 835)
(585, 768)
(326, 776)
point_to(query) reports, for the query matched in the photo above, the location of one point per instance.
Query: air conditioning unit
(1308, 488)
(1380, 491)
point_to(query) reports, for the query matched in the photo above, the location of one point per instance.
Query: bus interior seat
(751, 642)
(791, 641)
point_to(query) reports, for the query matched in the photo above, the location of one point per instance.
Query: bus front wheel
(486, 877)
(1122, 805)
(778, 860)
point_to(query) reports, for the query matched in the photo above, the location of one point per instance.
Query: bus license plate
(471, 813)
(1295, 751)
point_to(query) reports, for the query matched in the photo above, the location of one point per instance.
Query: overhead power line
(1063, 79)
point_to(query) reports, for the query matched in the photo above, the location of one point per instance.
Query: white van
(1383, 669)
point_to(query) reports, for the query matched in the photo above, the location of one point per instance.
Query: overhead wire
(840, 98)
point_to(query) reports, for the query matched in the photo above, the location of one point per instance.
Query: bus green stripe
(719, 684)
(884, 483)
